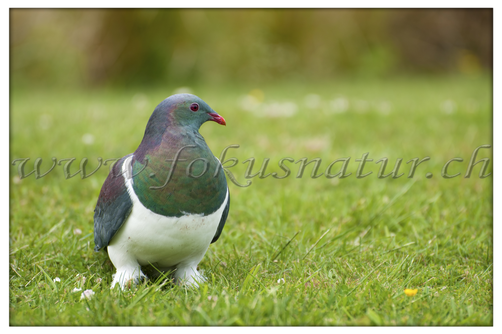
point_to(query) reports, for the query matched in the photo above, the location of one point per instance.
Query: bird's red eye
(194, 107)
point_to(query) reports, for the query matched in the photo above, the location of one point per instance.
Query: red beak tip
(218, 119)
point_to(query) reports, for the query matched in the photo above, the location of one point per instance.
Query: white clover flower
(57, 279)
(448, 106)
(87, 294)
(339, 105)
(88, 139)
(81, 278)
(312, 101)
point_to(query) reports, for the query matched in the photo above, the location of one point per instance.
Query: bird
(164, 204)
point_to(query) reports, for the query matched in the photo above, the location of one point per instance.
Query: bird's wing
(113, 207)
(223, 219)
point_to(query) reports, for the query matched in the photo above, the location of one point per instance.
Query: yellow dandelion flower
(410, 292)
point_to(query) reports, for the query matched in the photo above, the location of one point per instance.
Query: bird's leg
(188, 275)
(128, 269)
(127, 277)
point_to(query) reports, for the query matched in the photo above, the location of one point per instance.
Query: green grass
(294, 251)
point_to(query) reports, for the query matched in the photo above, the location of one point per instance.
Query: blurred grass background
(130, 47)
(290, 83)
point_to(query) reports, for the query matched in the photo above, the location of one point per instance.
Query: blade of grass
(313, 246)
(286, 245)
(365, 277)
(250, 277)
(51, 282)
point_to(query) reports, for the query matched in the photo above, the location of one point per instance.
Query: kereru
(168, 201)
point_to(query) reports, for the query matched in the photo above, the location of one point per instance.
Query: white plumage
(166, 242)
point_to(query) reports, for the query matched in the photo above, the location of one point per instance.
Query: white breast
(147, 237)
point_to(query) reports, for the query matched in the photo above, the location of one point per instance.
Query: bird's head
(188, 110)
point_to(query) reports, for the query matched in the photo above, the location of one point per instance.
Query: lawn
(298, 250)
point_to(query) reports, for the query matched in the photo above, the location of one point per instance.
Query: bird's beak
(217, 118)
